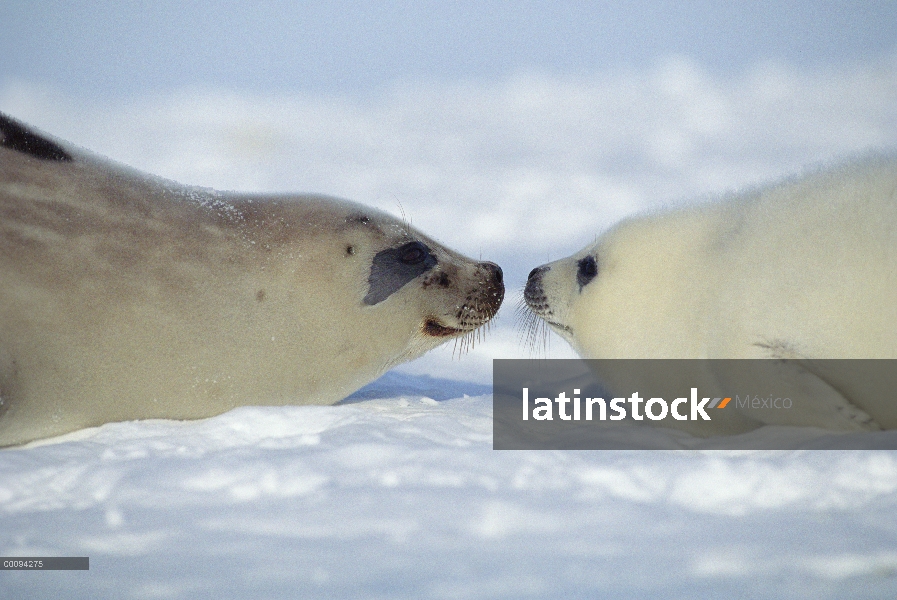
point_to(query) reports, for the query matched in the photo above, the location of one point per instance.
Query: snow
(397, 493)
(404, 498)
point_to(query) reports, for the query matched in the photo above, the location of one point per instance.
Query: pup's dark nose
(533, 294)
(536, 274)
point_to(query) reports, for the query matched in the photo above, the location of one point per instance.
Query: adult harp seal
(124, 296)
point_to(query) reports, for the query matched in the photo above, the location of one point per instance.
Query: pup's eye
(588, 268)
(413, 253)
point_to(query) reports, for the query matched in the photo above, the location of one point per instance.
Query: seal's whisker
(533, 332)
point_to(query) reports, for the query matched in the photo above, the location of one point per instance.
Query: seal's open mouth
(433, 328)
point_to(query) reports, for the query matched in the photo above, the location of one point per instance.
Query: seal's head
(440, 294)
(363, 274)
(624, 295)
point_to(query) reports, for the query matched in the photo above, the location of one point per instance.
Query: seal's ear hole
(586, 271)
(413, 253)
(350, 250)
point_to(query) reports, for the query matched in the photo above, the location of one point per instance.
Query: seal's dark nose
(494, 269)
(536, 274)
(495, 289)
(533, 294)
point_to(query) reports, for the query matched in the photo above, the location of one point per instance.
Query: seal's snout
(493, 289)
(482, 303)
(533, 294)
(494, 272)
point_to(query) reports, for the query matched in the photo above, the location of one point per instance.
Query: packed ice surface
(398, 493)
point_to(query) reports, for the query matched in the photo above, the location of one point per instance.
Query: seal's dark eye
(588, 268)
(413, 253)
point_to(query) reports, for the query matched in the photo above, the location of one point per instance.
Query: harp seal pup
(802, 269)
(124, 296)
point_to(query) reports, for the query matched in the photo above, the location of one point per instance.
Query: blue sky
(127, 47)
